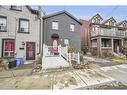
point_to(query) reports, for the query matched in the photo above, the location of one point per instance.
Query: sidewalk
(73, 79)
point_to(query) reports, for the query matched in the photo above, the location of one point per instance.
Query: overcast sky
(86, 12)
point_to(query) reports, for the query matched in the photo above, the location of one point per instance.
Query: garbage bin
(12, 63)
(19, 61)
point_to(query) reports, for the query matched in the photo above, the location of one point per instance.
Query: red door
(30, 50)
(55, 45)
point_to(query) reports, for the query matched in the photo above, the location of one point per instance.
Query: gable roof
(121, 22)
(62, 12)
(95, 16)
(111, 18)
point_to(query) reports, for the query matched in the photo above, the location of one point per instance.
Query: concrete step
(54, 62)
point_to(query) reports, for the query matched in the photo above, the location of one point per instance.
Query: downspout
(39, 36)
(43, 37)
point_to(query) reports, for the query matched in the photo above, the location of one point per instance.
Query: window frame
(3, 48)
(6, 23)
(16, 8)
(19, 30)
(70, 27)
(57, 25)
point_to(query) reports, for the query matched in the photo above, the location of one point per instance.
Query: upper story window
(55, 25)
(95, 28)
(96, 20)
(124, 25)
(111, 23)
(24, 25)
(18, 8)
(3, 24)
(72, 27)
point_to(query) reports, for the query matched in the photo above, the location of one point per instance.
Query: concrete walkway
(54, 62)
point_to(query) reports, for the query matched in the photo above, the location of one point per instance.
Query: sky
(86, 12)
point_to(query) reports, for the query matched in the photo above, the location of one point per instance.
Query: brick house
(106, 36)
(20, 32)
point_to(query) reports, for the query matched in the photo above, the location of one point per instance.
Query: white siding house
(20, 32)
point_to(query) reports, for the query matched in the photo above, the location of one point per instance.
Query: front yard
(119, 60)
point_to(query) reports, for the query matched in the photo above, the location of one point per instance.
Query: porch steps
(54, 63)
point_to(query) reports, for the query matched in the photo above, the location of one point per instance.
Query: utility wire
(111, 12)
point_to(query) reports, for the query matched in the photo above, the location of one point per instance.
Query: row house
(106, 36)
(20, 32)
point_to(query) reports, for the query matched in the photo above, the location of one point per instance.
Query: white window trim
(72, 30)
(3, 26)
(55, 27)
(20, 27)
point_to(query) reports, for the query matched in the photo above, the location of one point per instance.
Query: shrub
(39, 60)
(71, 49)
(107, 54)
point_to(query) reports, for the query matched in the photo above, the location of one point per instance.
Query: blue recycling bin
(19, 61)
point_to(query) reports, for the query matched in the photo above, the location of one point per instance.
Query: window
(124, 25)
(66, 41)
(18, 8)
(105, 43)
(3, 24)
(55, 25)
(72, 27)
(95, 29)
(24, 26)
(111, 23)
(8, 48)
(96, 20)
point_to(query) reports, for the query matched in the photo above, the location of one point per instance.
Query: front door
(55, 45)
(30, 50)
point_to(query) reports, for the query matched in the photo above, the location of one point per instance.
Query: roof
(33, 11)
(121, 22)
(98, 16)
(109, 19)
(62, 12)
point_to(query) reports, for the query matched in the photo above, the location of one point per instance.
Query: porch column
(122, 42)
(99, 51)
(112, 45)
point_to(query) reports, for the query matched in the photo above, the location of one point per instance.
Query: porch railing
(62, 52)
(114, 33)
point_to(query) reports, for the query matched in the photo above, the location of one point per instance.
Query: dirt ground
(63, 80)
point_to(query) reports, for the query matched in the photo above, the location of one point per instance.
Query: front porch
(102, 45)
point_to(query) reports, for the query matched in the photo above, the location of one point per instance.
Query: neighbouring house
(62, 28)
(85, 36)
(106, 36)
(20, 32)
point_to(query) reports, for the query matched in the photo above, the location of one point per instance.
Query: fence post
(78, 58)
(59, 48)
(73, 56)
(70, 57)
